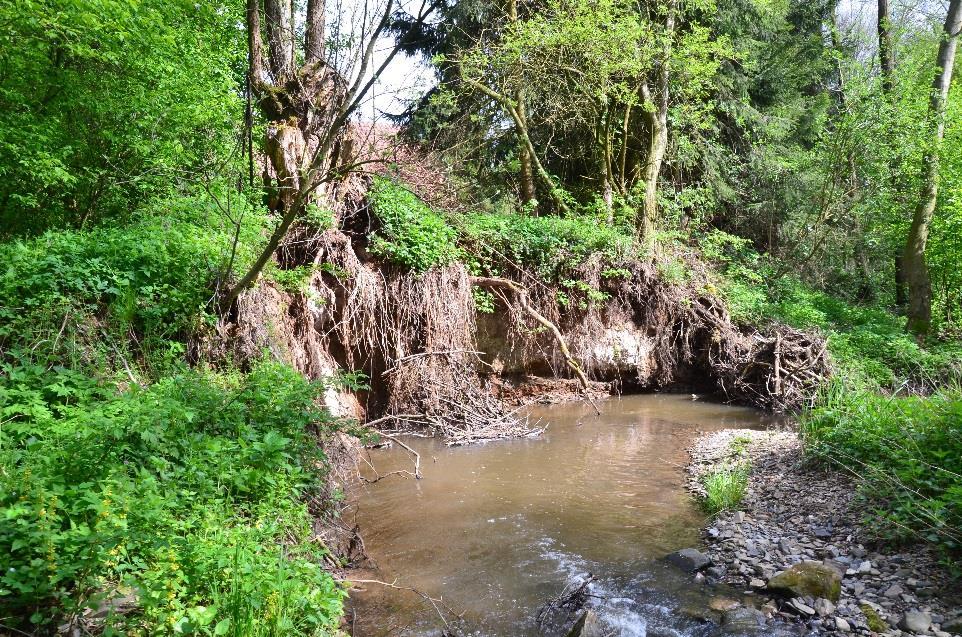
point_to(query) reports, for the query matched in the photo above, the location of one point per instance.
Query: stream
(497, 529)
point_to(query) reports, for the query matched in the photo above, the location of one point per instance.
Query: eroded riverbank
(498, 529)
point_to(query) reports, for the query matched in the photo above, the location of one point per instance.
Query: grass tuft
(725, 487)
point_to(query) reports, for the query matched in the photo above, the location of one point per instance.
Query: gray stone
(689, 560)
(802, 607)
(842, 625)
(743, 619)
(823, 607)
(893, 591)
(915, 621)
(588, 625)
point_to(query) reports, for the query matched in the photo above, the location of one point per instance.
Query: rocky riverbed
(797, 546)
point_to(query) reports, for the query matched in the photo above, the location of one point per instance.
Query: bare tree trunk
(314, 32)
(528, 192)
(280, 37)
(901, 284)
(658, 123)
(886, 53)
(916, 270)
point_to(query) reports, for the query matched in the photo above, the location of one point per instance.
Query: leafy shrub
(550, 246)
(725, 487)
(188, 496)
(907, 452)
(66, 287)
(411, 233)
(292, 280)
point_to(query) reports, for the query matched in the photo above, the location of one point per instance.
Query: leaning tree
(307, 90)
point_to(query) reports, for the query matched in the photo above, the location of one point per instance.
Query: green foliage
(483, 300)
(673, 271)
(65, 289)
(907, 453)
(548, 246)
(187, 495)
(291, 280)
(725, 487)
(104, 105)
(411, 234)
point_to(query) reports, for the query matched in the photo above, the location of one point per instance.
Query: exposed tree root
(416, 338)
(521, 293)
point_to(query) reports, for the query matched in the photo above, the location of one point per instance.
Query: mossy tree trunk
(919, 311)
(656, 106)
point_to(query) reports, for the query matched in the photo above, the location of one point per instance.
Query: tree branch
(314, 31)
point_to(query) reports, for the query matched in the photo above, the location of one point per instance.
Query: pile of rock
(796, 543)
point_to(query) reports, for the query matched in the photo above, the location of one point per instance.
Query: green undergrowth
(416, 237)
(906, 452)
(725, 487)
(547, 246)
(188, 496)
(86, 298)
(158, 498)
(411, 233)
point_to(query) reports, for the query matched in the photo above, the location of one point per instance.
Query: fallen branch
(409, 449)
(570, 600)
(417, 456)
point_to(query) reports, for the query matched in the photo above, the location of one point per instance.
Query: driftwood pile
(781, 370)
(560, 609)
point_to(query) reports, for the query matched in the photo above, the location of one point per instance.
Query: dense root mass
(433, 361)
(781, 370)
(648, 334)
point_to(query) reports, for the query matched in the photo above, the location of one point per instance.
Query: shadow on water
(498, 529)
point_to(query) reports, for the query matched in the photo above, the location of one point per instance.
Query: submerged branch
(436, 602)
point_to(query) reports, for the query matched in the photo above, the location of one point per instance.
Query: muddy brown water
(498, 528)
